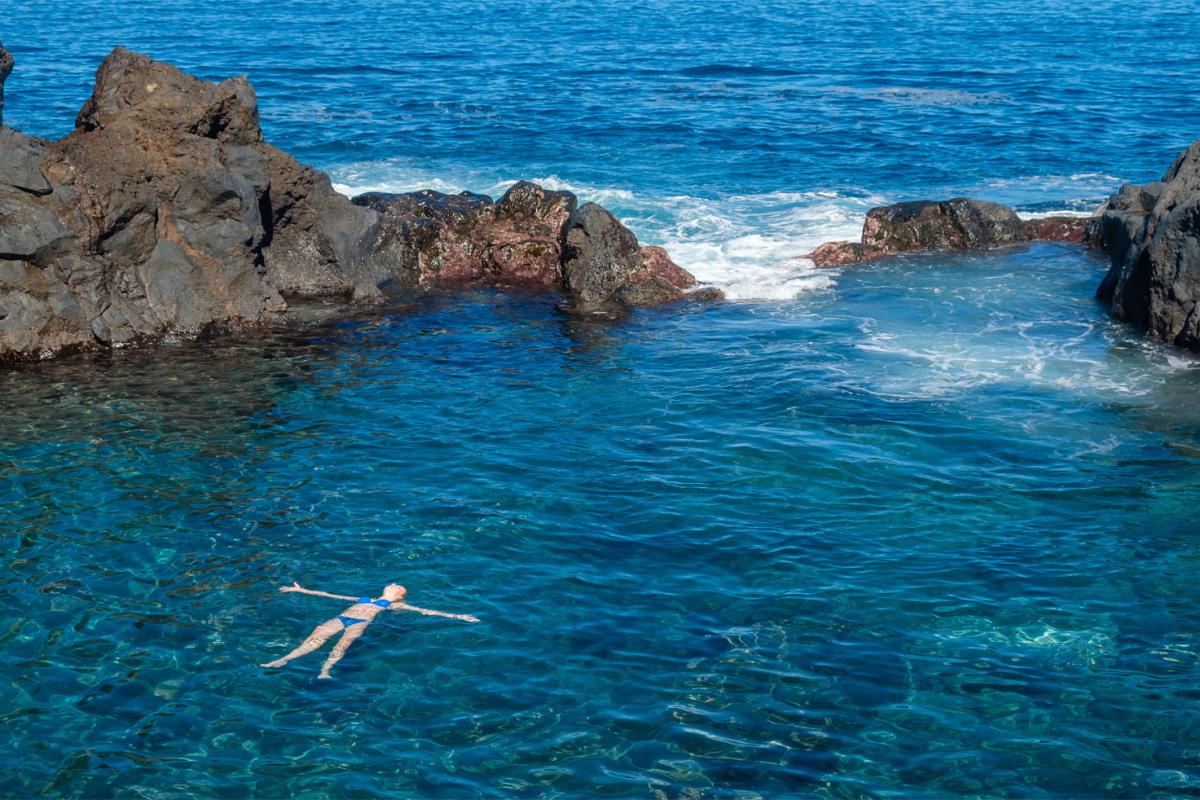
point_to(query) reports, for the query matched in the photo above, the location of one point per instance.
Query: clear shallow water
(926, 528)
(931, 532)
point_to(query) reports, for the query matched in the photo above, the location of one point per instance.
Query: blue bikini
(348, 621)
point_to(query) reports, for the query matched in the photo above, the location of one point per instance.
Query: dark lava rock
(321, 244)
(603, 265)
(6, 65)
(1152, 236)
(151, 191)
(165, 212)
(19, 162)
(958, 224)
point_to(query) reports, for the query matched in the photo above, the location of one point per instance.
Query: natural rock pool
(925, 528)
(931, 530)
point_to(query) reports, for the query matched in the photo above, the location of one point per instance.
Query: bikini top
(380, 602)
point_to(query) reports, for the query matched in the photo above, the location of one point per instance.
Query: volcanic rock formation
(165, 212)
(1152, 236)
(957, 224)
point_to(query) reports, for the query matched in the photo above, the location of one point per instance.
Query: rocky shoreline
(165, 212)
(1150, 233)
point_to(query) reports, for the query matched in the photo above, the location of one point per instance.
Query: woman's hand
(467, 618)
(295, 587)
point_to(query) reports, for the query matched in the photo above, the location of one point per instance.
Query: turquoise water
(926, 528)
(932, 532)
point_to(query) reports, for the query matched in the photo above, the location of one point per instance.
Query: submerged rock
(166, 212)
(1152, 236)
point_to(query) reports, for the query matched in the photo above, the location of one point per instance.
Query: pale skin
(393, 593)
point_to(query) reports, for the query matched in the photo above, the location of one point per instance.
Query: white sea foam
(752, 246)
(749, 245)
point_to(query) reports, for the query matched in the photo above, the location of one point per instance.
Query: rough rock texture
(165, 212)
(957, 224)
(603, 264)
(154, 212)
(532, 238)
(1152, 236)
(437, 240)
(6, 65)
(1073, 230)
(321, 244)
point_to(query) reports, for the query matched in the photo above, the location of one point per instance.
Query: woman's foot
(325, 676)
(276, 664)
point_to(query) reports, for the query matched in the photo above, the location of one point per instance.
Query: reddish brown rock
(657, 280)
(532, 238)
(526, 239)
(836, 254)
(1057, 229)
(439, 240)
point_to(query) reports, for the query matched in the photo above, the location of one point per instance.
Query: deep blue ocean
(924, 528)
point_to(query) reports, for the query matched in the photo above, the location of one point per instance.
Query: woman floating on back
(353, 622)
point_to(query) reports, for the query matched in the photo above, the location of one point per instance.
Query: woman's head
(394, 592)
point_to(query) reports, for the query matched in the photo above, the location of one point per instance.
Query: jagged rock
(6, 66)
(528, 235)
(436, 240)
(1152, 236)
(958, 224)
(157, 186)
(19, 157)
(28, 230)
(321, 244)
(165, 212)
(432, 239)
(604, 265)
(40, 315)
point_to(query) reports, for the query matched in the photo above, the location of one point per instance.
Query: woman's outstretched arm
(429, 612)
(296, 587)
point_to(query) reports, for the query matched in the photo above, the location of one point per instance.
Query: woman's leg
(320, 635)
(339, 649)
